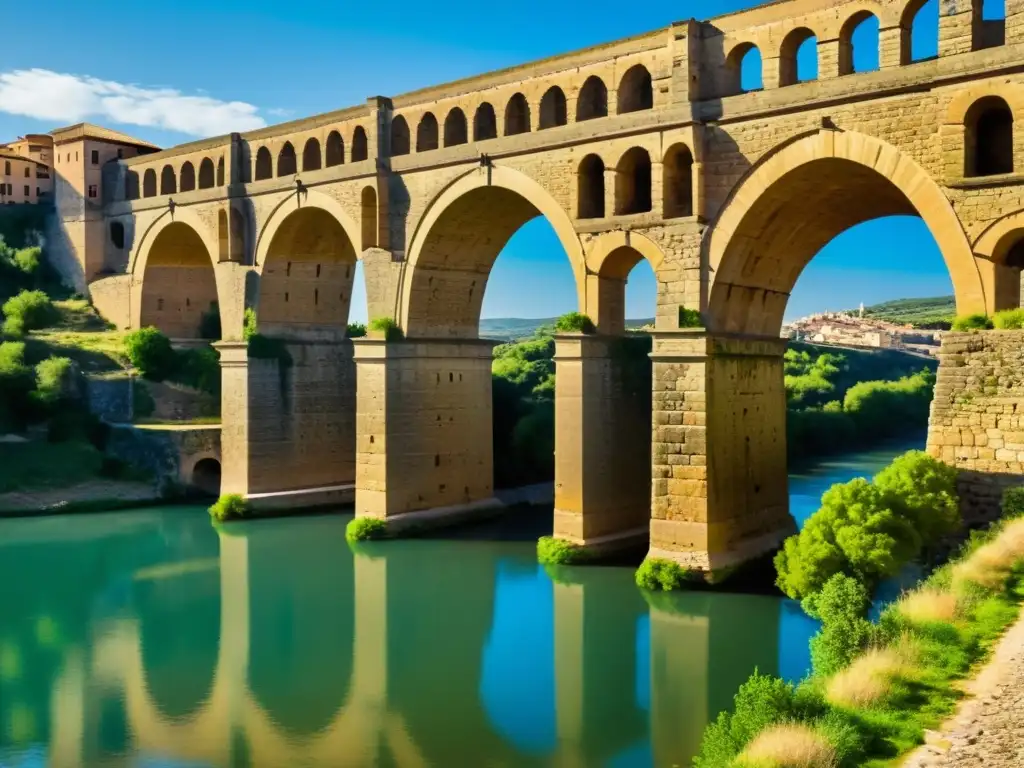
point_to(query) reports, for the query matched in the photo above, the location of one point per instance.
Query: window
(117, 234)
(38, 192)
(988, 138)
(10, 189)
(120, 153)
(28, 172)
(95, 157)
(92, 190)
(76, 157)
(28, 192)
(7, 167)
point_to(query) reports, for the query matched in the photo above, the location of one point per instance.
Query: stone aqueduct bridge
(644, 148)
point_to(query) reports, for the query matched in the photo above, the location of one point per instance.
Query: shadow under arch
(306, 199)
(458, 240)
(796, 200)
(173, 277)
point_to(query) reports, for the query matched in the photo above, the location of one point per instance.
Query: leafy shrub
(554, 551)
(365, 529)
(16, 382)
(28, 311)
(655, 573)
(230, 506)
(575, 322)
(1013, 503)
(922, 489)
(690, 318)
(53, 380)
(855, 532)
(386, 327)
(355, 330)
(841, 605)
(250, 327)
(209, 323)
(28, 260)
(199, 368)
(1009, 320)
(975, 322)
(151, 353)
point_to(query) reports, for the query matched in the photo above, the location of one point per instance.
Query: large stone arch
(796, 200)
(306, 257)
(174, 275)
(457, 241)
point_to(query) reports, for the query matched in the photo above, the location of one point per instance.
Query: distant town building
(853, 329)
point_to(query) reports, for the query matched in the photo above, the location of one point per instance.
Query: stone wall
(176, 402)
(977, 416)
(170, 454)
(109, 399)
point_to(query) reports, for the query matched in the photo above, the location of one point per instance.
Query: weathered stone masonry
(643, 148)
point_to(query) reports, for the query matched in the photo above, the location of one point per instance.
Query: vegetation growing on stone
(230, 506)
(690, 318)
(665, 575)
(355, 330)
(387, 328)
(975, 322)
(1009, 320)
(575, 322)
(250, 324)
(365, 529)
(555, 551)
(150, 352)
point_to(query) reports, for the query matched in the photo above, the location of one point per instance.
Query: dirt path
(987, 730)
(50, 500)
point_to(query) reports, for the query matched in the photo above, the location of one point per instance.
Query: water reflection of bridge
(281, 648)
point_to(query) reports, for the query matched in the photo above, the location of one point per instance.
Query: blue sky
(171, 72)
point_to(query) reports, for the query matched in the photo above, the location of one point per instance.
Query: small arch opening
(745, 69)
(517, 115)
(131, 186)
(206, 174)
(455, 129)
(167, 181)
(426, 133)
(206, 477)
(399, 136)
(117, 234)
(633, 182)
(798, 57)
(678, 181)
(919, 31)
(220, 172)
(311, 155)
(264, 165)
(988, 138)
(636, 90)
(369, 216)
(592, 100)
(859, 44)
(286, 160)
(590, 188)
(188, 177)
(360, 150)
(335, 150)
(485, 123)
(553, 108)
(149, 183)
(990, 23)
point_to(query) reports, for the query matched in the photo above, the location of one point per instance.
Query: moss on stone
(575, 322)
(365, 529)
(655, 573)
(554, 551)
(386, 328)
(230, 506)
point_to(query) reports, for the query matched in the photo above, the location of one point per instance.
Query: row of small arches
(859, 46)
(634, 182)
(312, 157)
(635, 93)
(207, 178)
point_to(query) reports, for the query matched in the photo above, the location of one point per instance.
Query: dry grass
(991, 564)
(789, 746)
(868, 681)
(928, 604)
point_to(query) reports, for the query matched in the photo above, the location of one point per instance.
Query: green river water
(149, 639)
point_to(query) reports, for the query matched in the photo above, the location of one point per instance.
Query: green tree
(150, 351)
(28, 311)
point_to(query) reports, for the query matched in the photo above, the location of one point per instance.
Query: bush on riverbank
(365, 529)
(230, 506)
(554, 551)
(876, 688)
(665, 575)
(871, 530)
(150, 351)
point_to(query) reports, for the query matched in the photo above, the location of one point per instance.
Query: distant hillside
(936, 312)
(513, 328)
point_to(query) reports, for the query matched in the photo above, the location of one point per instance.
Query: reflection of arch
(517, 115)
(485, 124)
(590, 188)
(836, 180)
(359, 146)
(592, 100)
(206, 476)
(455, 130)
(552, 108)
(445, 279)
(636, 90)
(426, 133)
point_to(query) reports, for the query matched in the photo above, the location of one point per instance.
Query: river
(148, 638)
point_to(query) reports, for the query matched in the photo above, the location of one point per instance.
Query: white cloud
(278, 112)
(66, 99)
